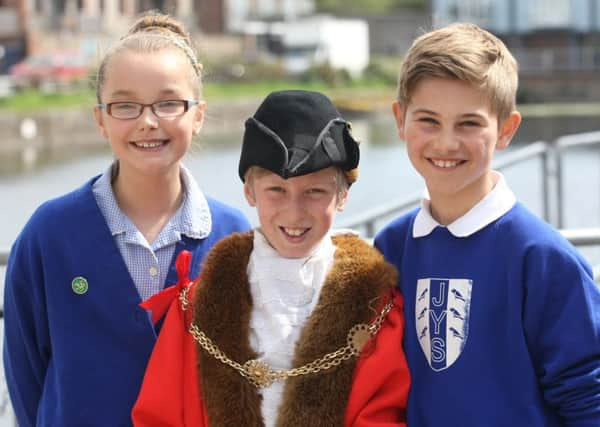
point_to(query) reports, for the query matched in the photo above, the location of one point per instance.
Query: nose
(295, 207)
(148, 118)
(446, 141)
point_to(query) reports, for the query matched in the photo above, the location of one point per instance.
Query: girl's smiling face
(148, 144)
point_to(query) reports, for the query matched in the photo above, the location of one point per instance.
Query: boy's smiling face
(296, 213)
(451, 134)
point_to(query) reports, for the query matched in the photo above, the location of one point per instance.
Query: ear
(249, 193)
(100, 122)
(341, 201)
(198, 118)
(399, 112)
(508, 130)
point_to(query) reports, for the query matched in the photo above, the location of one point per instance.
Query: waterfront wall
(27, 137)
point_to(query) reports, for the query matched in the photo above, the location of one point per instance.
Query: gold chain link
(183, 296)
(260, 374)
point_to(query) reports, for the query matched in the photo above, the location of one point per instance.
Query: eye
(168, 104)
(124, 106)
(469, 123)
(275, 189)
(427, 120)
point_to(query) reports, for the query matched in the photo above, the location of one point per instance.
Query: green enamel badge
(79, 285)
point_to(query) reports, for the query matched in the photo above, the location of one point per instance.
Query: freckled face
(295, 214)
(451, 135)
(148, 144)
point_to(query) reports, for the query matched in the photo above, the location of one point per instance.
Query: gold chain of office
(260, 374)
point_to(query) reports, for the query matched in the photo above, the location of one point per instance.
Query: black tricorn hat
(297, 132)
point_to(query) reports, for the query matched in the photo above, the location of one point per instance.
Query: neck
(148, 200)
(447, 208)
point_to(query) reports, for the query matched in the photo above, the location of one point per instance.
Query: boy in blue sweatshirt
(502, 314)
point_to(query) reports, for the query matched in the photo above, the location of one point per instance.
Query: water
(385, 175)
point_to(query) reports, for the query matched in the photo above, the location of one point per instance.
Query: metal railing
(562, 144)
(369, 219)
(553, 171)
(552, 164)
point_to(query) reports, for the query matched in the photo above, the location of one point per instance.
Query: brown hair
(343, 179)
(464, 52)
(153, 32)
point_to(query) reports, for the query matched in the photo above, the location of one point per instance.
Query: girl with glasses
(76, 340)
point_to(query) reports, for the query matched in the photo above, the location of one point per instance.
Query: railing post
(370, 229)
(547, 171)
(558, 154)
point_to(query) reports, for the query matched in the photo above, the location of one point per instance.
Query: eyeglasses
(127, 110)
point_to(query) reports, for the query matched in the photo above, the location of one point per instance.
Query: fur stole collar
(357, 286)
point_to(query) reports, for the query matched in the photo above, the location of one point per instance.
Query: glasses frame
(187, 104)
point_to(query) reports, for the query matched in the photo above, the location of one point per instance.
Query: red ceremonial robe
(172, 391)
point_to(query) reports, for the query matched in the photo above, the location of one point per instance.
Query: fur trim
(355, 289)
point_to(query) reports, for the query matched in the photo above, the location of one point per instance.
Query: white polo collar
(495, 204)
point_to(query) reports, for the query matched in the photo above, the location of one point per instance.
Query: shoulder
(357, 258)
(47, 232)
(351, 245)
(522, 227)
(399, 226)
(522, 234)
(232, 251)
(391, 238)
(60, 214)
(224, 271)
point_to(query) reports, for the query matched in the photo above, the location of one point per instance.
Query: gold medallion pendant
(358, 337)
(258, 372)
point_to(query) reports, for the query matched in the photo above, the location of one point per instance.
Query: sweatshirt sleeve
(26, 338)
(380, 389)
(562, 325)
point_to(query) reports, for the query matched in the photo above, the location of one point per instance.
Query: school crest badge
(442, 319)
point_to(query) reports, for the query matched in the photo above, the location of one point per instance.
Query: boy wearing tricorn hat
(291, 324)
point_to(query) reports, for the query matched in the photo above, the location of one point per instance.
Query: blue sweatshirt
(75, 351)
(502, 325)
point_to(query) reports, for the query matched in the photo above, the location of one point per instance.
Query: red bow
(159, 303)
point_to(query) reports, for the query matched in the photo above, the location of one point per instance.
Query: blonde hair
(464, 52)
(153, 32)
(343, 179)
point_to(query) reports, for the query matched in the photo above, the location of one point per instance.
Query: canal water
(385, 175)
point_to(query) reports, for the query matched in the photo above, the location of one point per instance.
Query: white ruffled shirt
(284, 291)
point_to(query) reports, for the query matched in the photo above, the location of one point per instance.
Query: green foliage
(327, 75)
(230, 70)
(383, 69)
(367, 7)
(32, 100)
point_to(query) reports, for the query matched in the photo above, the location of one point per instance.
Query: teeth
(445, 163)
(148, 144)
(294, 231)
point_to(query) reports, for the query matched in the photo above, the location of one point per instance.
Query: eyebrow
(128, 93)
(461, 116)
(425, 111)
